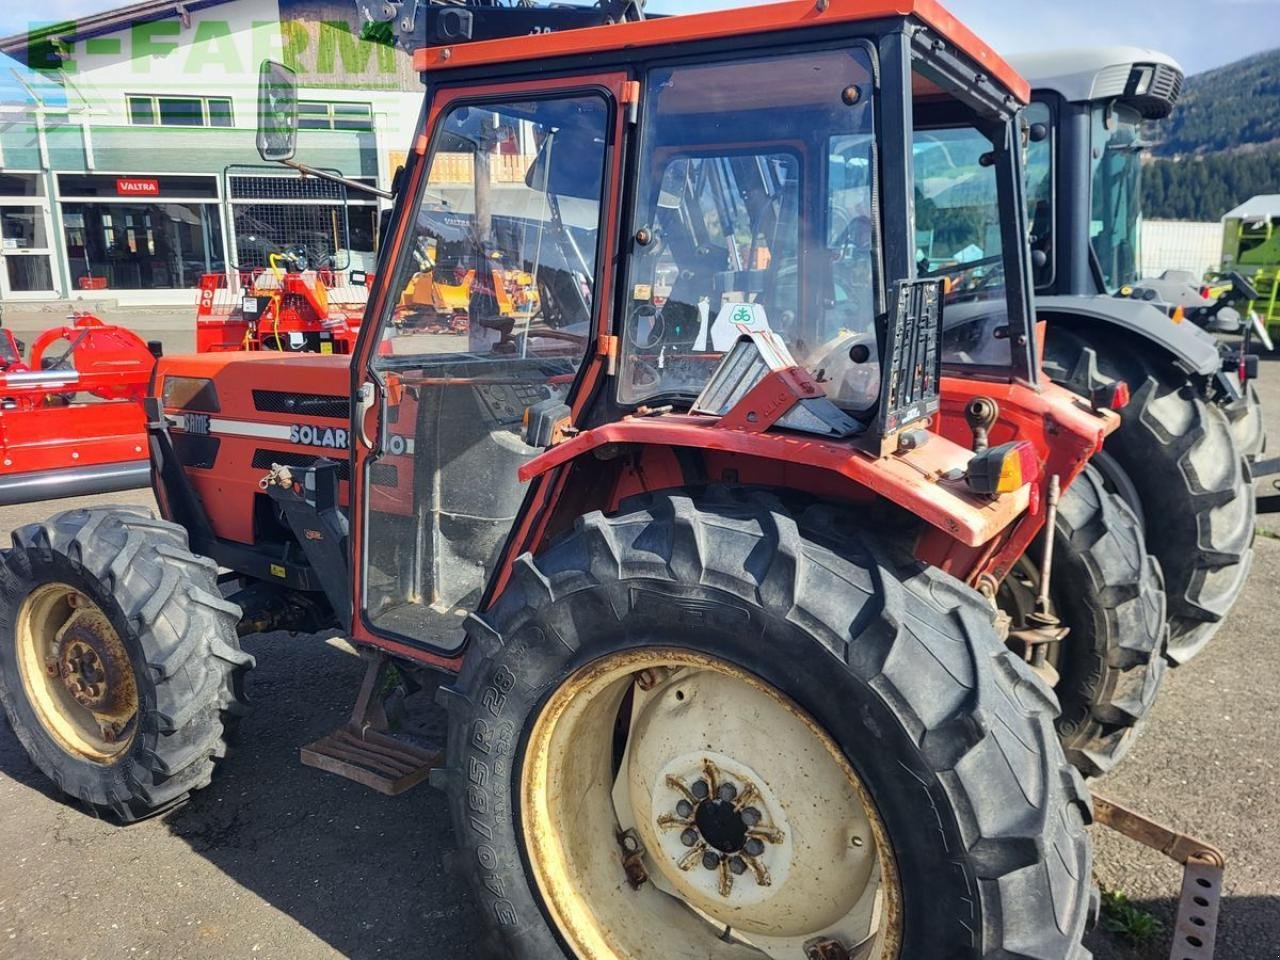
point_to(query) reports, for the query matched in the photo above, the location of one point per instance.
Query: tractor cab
(633, 201)
(697, 525)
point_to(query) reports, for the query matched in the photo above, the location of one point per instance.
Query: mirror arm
(335, 178)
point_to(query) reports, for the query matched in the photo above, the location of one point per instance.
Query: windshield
(1116, 223)
(756, 185)
(958, 239)
(503, 257)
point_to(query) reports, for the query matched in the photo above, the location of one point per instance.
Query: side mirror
(1039, 132)
(277, 112)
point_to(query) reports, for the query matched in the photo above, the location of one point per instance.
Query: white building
(146, 177)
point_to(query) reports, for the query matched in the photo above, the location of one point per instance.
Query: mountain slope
(1222, 144)
(1230, 108)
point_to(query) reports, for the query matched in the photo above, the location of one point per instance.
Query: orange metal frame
(737, 22)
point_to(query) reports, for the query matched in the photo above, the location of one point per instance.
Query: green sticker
(741, 314)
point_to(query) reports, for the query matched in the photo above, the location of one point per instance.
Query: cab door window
(959, 240)
(493, 302)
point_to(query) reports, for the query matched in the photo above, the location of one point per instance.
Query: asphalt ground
(277, 860)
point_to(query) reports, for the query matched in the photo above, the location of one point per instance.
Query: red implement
(72, 421)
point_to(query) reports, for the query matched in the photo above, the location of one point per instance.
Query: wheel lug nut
(737, 866)
(700, 789)
(689, 837)
(711, 860)
(684, 808)
(751, 816)
(754, 847)
(726, 791)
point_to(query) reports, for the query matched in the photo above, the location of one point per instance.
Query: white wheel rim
(755, 836)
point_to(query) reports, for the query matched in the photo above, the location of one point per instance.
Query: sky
(1201, 34)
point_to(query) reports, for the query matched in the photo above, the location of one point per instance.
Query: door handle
(364, 403)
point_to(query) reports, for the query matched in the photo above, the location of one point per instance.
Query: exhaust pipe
(74, 482)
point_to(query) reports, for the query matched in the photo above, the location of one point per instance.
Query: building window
(157, 232)
(150, 111)
(314, 115)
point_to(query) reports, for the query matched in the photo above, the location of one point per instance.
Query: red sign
(129, 187)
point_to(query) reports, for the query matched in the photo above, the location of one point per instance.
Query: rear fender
(1185, 344)
(1061, 427)
(600, 467)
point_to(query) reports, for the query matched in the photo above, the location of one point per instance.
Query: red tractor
(728, 561)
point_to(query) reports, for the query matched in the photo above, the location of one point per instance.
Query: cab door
(490, 301)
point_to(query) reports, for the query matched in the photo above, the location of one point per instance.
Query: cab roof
(742, 21)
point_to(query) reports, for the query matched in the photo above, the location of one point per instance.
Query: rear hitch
(1195, 928)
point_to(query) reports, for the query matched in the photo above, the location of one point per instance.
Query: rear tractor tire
(1191, 483)
(1247, 425)
(1108, 591)
(120, 668)
(707, 728)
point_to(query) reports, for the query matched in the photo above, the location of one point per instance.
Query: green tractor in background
(1251, 248)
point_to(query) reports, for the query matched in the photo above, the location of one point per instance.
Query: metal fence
(1180, 245)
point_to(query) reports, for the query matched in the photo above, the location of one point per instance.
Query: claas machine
(732, 561)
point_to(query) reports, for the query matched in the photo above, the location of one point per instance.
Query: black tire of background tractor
(985, 815)
(180, 634)
(1247, 426)
(1109, 591)
(1194, 486)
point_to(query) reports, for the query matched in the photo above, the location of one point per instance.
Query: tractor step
(375, 759)
(362, 750)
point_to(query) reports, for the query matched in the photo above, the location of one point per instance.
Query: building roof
(97, 24)
(1262, 207)
(792, 14)
(1086, 73)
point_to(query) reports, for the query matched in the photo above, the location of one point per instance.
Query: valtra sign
(131, 187)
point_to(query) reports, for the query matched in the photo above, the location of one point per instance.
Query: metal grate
(384, 475)
(263, 459)
(193, 450)
(275, 213)
(329, 407)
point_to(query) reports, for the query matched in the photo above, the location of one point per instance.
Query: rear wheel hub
(752, 828)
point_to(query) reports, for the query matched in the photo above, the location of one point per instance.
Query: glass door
(26, 262)
(491, 309)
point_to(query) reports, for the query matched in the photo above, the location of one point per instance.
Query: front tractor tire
(120, 668)
(1175, 460)
(707, 728)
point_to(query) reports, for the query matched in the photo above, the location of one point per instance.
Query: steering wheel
(858, 232)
